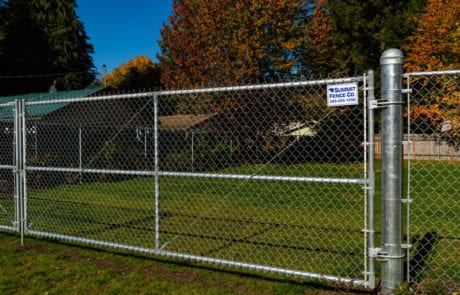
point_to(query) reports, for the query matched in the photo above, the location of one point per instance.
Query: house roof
(42, 110)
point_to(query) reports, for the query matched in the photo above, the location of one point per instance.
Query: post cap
(392, 56)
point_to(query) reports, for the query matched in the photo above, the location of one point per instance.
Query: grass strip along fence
(290, 225)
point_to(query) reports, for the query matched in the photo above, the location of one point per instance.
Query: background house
(110, 134)
(40, 136)
(200, 142)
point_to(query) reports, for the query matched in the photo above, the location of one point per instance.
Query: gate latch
(383, 256)
(382, 103)
(373, 252)
(373, 104)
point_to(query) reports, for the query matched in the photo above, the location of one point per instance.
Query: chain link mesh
(434, 172)
(266, 176)
(7, 201)
(248, 138)
(85, 160)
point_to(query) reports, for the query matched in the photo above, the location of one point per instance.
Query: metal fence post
(157, 171)
(371, 176)
(391, 253)
(17, 166)
(19, 162)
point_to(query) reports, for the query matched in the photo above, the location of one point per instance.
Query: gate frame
(20, 169)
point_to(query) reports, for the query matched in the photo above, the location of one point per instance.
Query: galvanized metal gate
(265, 178)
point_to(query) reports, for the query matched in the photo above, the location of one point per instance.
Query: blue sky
(121, 30)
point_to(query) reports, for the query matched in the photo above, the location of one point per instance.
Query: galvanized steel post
(391, 253)
(20, 190)
(371, 177)
(156, 121)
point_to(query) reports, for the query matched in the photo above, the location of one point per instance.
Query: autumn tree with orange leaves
(233, 42)
(211, 43)
(139, 72)
(228, 42)
(436, 46)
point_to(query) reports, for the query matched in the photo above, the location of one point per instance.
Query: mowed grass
(435, 208)
(434, 191)
(47, 267)
(302, 226)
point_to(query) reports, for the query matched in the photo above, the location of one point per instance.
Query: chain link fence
(433, 210)
(89, 170)
(262, 178)
(269, 176)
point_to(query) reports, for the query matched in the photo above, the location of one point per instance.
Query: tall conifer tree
(364, 29)
(44, 40)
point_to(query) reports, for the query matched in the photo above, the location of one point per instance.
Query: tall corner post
(391, 254)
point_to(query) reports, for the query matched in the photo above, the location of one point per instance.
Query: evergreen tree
(45, 41)
(364, 29)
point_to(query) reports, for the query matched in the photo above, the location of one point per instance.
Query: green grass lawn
(435, 208)
(44, 267)
(435, 191)
(310, 227)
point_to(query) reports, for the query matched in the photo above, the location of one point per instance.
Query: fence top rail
(263, 86)
(92, 98)
(449, 72)
(193, 91)
(7, 104)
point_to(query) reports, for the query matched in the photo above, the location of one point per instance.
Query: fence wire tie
(406, 201)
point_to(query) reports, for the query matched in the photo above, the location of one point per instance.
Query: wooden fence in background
(424, 147)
